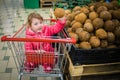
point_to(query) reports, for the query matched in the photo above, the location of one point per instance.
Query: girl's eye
(36, 23)
(40, 22)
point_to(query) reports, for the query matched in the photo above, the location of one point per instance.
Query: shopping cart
(31, 63)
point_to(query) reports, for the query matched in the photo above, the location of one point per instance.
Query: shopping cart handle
(3, 38)
(53, 20)
(65, 40)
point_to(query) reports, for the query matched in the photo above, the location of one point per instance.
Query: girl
(36, 29)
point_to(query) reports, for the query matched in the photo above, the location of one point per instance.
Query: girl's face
(36, 25)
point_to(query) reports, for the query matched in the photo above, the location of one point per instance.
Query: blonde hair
(31, 16)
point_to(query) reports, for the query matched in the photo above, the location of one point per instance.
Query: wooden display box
(76, 72)
(47, 3)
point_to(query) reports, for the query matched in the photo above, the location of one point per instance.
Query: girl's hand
(62, 19)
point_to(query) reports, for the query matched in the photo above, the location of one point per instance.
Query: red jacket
(46, 31)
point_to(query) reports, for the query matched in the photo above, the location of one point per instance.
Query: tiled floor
(12, 16)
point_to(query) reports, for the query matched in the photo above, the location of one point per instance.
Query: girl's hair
(31, 16)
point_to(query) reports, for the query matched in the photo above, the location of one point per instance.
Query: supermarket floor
(12, 16)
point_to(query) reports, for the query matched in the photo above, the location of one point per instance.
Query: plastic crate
(93, 56)
(31, 4)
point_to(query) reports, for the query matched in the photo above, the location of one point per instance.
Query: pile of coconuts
(95, 26)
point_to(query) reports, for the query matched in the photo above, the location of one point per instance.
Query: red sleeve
(54, 29)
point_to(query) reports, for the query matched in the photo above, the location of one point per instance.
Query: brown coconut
(91, 8)
(84, 36)
(105, 15)
(111, 37)
(74, 21)
(88, 21)
(109, 25)
(76, 25)
(81, 17)
(79, 30)
(115, 3)
(77, 45)
(59, 12)
(76, 8)
(101, 8)
(67, 12)
(94, 41)
(88, 27)
(98, 23)
(103, 43)
(73, 35)
(116, 14)
(117, 32)
(70, 17)
(93, 15)
(116, 22)
(69, 30)
(101, 33)
(67, 24)
(85, 10)
(85, 45)
(97, 4)
(110, 6)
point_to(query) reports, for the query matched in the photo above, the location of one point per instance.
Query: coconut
(88, 27)
(116, 22)
(70, 17)
(76, 8)
(67, 24)
(81, 17)
(76, 25)
(67, 12)
(116, 14)
(94, 41)
(97, 4)
(59, 12)
(73, 35)
(75, 13)
(108, 5)
(101, 33)
(77, 45)
(85, 10)
(93, 15)
(111, 37)
(78, 30)
(85, 45)
(88, 21)
(109, 25)
(105, 15)
(103, 43)
(115, 3)
(84, 36)
(91, 8)
(98, 23)
(101, 8)
(117, 32)
(74, 21)
(69, 30)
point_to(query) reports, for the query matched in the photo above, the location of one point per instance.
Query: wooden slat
(92, 69)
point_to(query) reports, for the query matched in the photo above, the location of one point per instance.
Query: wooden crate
(47, 3)
(76, 72)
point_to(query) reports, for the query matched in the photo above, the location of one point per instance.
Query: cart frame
(16, 44)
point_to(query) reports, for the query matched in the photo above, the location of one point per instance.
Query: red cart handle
(65, 40)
